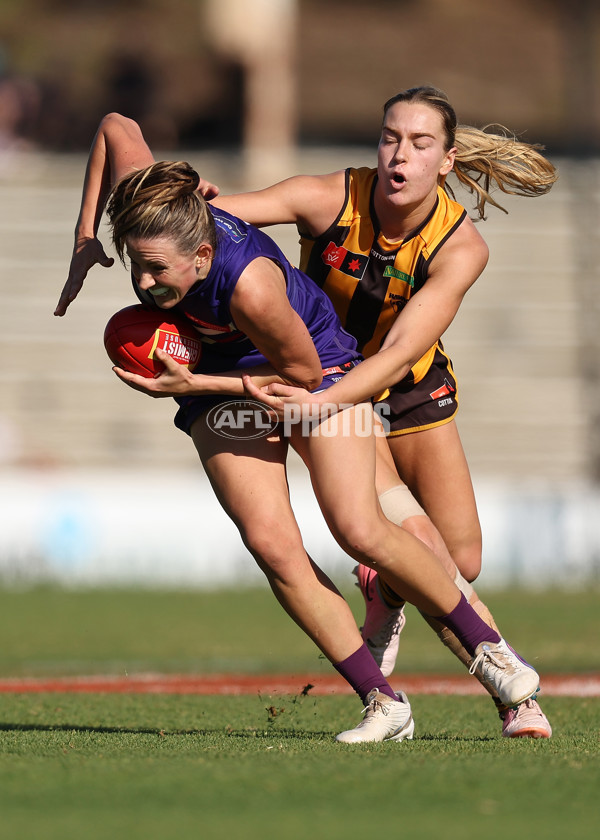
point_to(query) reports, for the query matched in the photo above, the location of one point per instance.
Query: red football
(133, 334)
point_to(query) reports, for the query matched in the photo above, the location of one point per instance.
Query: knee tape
(399, 504)
(464, 585)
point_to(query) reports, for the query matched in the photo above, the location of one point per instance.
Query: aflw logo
(182, 348)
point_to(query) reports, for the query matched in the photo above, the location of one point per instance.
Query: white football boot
(385, 720)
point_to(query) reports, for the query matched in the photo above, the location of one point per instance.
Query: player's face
(164, 272)
(411, 157)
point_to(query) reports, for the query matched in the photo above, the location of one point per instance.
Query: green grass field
(165, 766)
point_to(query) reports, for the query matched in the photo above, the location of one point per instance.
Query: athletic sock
(389, 596)
(362, 672)
(467, 625)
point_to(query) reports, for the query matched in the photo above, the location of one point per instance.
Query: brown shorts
(414, 407)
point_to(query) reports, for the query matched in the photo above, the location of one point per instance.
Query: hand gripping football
(133, 334)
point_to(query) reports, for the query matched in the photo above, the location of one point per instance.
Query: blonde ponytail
(492, 157)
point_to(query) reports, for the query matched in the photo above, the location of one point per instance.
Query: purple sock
(363, 674)
(468, 626)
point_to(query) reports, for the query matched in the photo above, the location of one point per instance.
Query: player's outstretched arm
(117, 148)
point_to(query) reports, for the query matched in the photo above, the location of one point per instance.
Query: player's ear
(204, 257)
(448, 162)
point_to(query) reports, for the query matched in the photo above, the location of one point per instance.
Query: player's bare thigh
(249, 480)
(433, 465)
(341, 461)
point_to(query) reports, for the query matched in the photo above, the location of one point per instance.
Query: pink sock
(362, 672)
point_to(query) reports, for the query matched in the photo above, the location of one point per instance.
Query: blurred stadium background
(96, 486)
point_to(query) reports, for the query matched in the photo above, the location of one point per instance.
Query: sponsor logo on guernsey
(182, 348)
(397, 302)
(231, 228)
(336, 256)
(382, 257)
(390, 271)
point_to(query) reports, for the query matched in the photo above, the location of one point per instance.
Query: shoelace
(375, 705)
(486, 654)
(529, 704)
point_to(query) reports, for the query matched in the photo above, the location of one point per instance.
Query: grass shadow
(249, 733)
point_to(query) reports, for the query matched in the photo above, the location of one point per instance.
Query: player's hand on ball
(174, 381)
(86, 254)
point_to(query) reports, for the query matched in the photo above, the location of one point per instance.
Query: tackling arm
(311, 202)
(423, 320)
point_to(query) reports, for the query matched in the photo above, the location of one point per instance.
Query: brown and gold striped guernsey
(368, 278)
